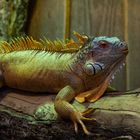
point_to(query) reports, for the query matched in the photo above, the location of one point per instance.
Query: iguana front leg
(66, 110)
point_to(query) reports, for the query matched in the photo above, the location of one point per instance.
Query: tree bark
(117, 115)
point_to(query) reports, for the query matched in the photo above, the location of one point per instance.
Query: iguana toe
(78, 117)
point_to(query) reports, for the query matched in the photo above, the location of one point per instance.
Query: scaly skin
(85, 73)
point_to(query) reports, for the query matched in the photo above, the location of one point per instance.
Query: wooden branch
(117, 114)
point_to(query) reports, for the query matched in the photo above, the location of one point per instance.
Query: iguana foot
(78, 117)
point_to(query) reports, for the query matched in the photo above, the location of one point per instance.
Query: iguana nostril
(122, 44)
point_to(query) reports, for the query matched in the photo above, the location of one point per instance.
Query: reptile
(79, 69)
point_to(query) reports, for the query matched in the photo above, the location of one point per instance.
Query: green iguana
(80, 70)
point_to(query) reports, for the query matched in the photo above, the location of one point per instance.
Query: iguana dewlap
(66, 69)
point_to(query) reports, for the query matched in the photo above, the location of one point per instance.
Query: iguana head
(103, 54)
(99, 59)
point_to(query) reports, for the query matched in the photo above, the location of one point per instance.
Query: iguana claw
(78, 117)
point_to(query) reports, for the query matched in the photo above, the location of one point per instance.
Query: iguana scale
(80, 70)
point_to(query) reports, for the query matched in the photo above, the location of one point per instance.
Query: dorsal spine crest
(28, 43)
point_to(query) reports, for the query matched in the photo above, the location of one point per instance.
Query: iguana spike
(28, 43)
(81, 38)
(73, 43)
(57, 45)
(61, 44)
(5, 47)
(23, 42)
(50, 46)
(14, 46)
(2, 48)
(8, 46)
(17, 40)
(32, 42)
(44, 42)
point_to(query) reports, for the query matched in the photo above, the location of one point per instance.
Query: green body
(37, 71)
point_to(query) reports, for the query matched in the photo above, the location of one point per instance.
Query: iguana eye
(103, 44)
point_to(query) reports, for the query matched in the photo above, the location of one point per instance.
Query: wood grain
(134, 44)
(47, 19)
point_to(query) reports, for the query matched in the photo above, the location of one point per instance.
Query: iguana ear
(81, 38)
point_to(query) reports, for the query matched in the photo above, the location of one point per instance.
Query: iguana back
(36, 66)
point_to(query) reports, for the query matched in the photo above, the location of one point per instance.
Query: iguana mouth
(125, 51)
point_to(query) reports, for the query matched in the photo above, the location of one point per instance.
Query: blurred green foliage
(13, 16)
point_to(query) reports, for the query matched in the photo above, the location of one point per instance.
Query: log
(117, 117)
